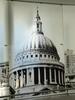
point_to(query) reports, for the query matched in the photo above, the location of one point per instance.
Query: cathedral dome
(38, 64)
(42, 44)
(39, 42)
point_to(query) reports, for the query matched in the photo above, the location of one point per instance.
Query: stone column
(39, 82)
(24, 79)
(59, 75)
(32, 76)
(21, 79)
(62, 76)
(27, 76)
(50, 75)
(55, 74)
(17, 79)
(45, 81)
(14, 77)
(13, 80)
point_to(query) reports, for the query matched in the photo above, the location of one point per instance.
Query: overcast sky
(57, 26)
(51, 17)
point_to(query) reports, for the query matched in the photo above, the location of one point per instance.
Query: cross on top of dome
(38, 17)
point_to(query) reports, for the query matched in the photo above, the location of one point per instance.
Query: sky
(58, 25)
(23, 19)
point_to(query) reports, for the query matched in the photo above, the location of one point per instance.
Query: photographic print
(37, 52)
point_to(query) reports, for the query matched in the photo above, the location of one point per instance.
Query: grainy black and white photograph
(37, 50)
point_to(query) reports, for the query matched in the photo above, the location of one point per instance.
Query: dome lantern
(38, 23)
